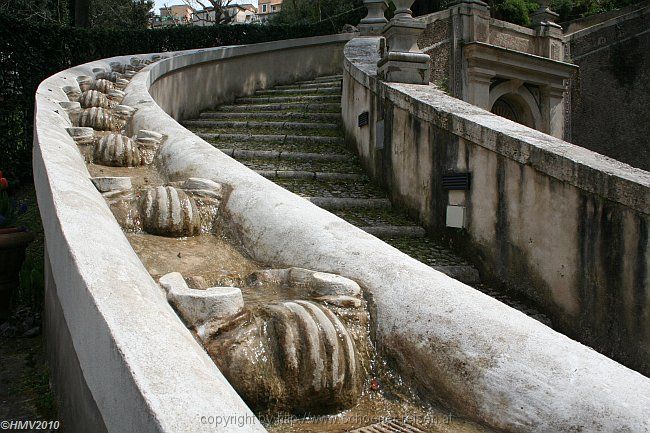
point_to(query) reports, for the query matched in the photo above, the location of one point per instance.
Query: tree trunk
(82, 13)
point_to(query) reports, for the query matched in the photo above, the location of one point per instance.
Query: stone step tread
(276, 138)
(261, 116)
(314, 107)
(333, 90)
(394, 231)
(274, 146)
(336, 203)
(375, 217)
(317, 85)
(290, 99)
(426, 250)
(321, 79)
(347, 189)
(349, 166)
(249, 124)
(310, 175)
(275, 156)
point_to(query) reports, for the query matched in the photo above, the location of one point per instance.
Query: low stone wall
(456, 345)
(121, 359)
(565, 226)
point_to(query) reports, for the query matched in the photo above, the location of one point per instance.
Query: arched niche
(514, 101)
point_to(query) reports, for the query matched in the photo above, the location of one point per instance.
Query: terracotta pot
(13, 243)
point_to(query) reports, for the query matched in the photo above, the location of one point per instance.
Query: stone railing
(121, 359)
(565, 226)
(128, 359)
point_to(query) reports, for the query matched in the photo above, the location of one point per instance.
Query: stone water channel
(295, 343)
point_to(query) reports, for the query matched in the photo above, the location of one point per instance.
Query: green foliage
(121, 14)
(519, 11)
(29, 53)
(516, 11)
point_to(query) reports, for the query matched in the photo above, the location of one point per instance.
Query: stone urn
(13, 243)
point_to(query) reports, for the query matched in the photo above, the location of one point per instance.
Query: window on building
(273, 8)
(263, 8)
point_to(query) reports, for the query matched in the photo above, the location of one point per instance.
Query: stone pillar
(553, 110)
(470, 22)
(478, 87)
(550, 43)
(375, 21)
(402, 61)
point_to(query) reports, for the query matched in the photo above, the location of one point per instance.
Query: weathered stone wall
(435, 41)
(121, 359)
(562, 225)
(611, 95)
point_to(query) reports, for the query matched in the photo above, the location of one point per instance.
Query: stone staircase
(292, 135)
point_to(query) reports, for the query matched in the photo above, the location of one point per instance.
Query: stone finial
(402, 60)
(375, 21)
(544, 16)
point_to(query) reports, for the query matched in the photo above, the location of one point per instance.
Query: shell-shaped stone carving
(295, 356)
(168, 211)
(116, 150)
(103, 85)
(93, 98)
(85, 82)
(72, 93)
(111, 76)
(97, 118)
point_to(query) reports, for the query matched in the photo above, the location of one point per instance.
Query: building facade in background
(173, 16)
(239, 13)
(267, 8)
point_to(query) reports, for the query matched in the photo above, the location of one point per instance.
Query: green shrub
(516, 11)
(30, 53)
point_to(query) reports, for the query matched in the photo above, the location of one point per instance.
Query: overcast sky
(162, 3)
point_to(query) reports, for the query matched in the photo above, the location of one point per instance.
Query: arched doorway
(513, 107)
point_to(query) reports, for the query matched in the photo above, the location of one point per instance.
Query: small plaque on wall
(379, 134)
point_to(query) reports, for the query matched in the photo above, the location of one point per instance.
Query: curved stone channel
(292, 135)
(295, 343)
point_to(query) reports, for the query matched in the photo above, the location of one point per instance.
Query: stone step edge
(287, 106)
(272, 137)
(262, 124)
(209, 115)
(285, 155)
(308, 90)
(321, 79)
(336, 203)
(318, 85)
(395, 231)
(281, 99)
(312, 175)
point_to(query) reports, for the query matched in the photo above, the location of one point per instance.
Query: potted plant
(13, 243)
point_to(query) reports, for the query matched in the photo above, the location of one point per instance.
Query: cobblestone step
(395, 231)
(251, 125)
(335, 90)
(289, 99)
(318, 85)
(278, 146)
(338, 203)
(266, 115)
(273, 155)
(318, 107)
(297, 174)
(322, 79)
(314, 166)
(277, 138)
(341, 189)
